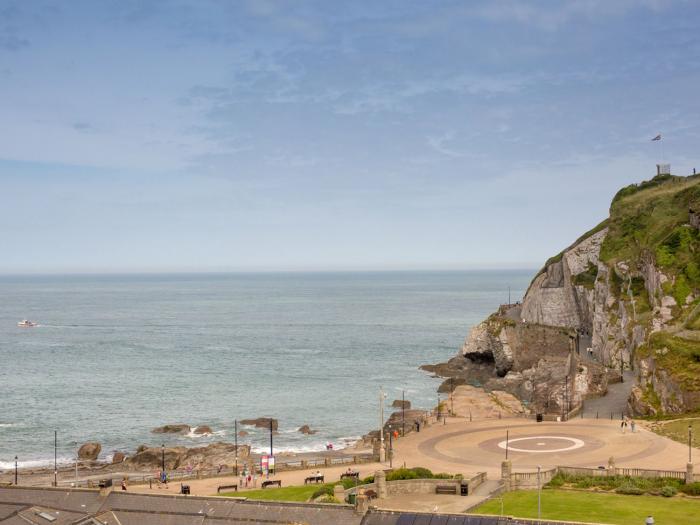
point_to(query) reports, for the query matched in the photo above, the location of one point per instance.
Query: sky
(325, 135)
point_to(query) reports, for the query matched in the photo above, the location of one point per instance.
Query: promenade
(461, 446)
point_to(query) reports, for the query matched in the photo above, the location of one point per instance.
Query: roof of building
(82, 507)
(51, 506)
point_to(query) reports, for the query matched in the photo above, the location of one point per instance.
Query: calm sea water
(115, 356)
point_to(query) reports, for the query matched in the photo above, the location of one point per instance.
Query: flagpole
(663, 159)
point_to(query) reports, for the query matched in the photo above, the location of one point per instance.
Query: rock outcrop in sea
(624, 296)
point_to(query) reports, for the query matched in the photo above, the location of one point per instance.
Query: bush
(422, 473)
(445, 475)
(556, 482)
(328, 499)
(629, 490)
(367, 480)
(401, 473)
(668, 491)
(692, 489)
(349, 483)
(326, 490)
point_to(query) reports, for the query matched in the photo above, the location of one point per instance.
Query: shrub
(326, 490)
(422, 473)
(556, 482)
(349, 483)
(668, 491)
(367, 480)
(328, 499)
(629, 490)
(401, 473)
(445, 475)
(692, 489)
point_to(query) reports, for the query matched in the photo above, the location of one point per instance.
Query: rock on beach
(179, 428)
(89, 451)
(261, 422)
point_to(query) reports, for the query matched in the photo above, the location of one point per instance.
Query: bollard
(470, 415)
(596, 414)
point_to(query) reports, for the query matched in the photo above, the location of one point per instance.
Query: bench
(271, 482)
(350, 475)
(314, 479)
(446, 489)
(227, 487)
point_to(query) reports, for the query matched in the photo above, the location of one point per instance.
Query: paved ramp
(614, 402)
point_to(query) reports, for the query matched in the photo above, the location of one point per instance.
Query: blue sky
(265, 135)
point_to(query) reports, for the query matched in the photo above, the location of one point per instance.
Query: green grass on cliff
(649, 221)
(678, 356)
(594, 507)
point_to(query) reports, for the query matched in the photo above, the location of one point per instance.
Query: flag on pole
(658, 137)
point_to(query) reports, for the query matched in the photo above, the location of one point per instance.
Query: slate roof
(380, 517)
(74, 507)
(21, 506)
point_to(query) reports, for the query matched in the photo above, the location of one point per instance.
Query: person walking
(632, 426)
(623, 425)
(123, 484)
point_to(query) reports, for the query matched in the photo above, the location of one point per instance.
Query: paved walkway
(467, 447)
(614, 402)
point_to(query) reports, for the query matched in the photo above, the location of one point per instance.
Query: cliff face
(623, 296)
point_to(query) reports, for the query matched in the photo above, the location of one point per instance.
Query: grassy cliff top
(649, 221)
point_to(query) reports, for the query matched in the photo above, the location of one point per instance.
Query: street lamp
(690, 444)
(566, 394)
(539, 494)
(235, 439)
(15, 470)
(55, 458)
(403, 413)
(162, 456)
(382, 397)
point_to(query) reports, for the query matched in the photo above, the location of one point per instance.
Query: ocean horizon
(115, 355)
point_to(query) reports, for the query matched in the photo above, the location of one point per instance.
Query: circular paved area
(542, 444)
(481, 446)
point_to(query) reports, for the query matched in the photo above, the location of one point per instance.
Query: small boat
(26, 324)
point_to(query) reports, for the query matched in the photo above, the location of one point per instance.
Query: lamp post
(55, 458)
(235, 440)
(382, 397)
(507, 439)
(403, 413)
(270, 437)
(15, 470)
(622, 369)
(566, 396)
(162, 456)
(690, 444)
(539, 493)
(391, 450)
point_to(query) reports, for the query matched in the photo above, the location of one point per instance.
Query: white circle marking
(575, 443)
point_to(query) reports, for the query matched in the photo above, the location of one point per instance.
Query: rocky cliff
(623, 296)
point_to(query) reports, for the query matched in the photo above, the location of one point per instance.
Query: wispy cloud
(441, 144)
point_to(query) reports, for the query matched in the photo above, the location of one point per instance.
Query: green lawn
(595, 507)
(295, 493)
(678, 430)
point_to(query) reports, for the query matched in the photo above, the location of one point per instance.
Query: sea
(114, 356)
